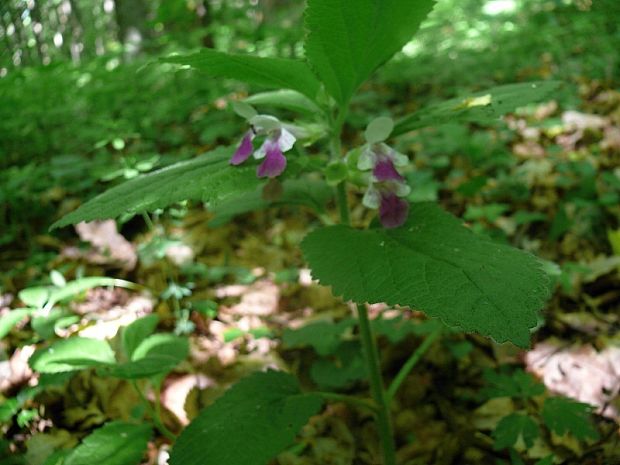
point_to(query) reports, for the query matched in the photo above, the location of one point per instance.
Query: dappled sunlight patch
(109, 245)
(179, 254)
(580, 372)
(108, 310)
(176, 391)
(260, 298)
(15, 371)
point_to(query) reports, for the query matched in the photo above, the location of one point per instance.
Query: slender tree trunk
(22, 42)
(77, 32)
(62, 29)
(36, 18)
(131, 18)
(7, 54)
(206, 18)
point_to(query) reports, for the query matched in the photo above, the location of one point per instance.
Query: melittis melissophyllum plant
(416, 255)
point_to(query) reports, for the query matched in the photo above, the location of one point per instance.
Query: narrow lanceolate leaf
(434, 264)
(480, 107)
(347, 40)
(116, 443)
(251, 423)
(276, 73)
(48, 296)
(72, 354)
(284, 98)
(208, 178)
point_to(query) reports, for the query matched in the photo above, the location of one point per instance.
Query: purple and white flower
(387, 187)
(278, 140)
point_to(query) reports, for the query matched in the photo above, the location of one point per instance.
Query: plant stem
(384, 424)
(369, 344)
(155, 414)
(337, 123)
(349, 400)
(343, 205)
(149, 222)
(410, 363)
(336, 153)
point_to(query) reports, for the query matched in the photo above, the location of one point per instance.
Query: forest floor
(549, 184)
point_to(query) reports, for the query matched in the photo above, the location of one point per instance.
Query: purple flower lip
(244, 150)
(278, 141)
(384, 170)
(393, 210)
(275, 161)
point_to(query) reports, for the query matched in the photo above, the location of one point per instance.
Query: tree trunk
(8, 53)
(22, 42)
(206, 18)
(131, 18)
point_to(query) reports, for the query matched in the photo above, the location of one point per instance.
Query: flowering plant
(419, 256)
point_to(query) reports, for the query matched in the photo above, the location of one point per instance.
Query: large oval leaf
(252, 422)
(434, 264)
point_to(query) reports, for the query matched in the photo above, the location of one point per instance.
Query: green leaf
(143, 368)
(162, 344)
(481, 107)
(395, 329)
(513, 426)
(269, 72)
(323, 336)
(251, 423)
(303, 192)
(517, 385)
(8, 408)
(339, 372)
(347, 40)
(42, 445)
(284, 98)
(10, 319)
(116, 443)
(336, 172)
(137, 331)
(58, 457)
(48, 296)
(72, 354)
(379, 129)
(208, 178)
(562, 415)
(46, 323)
(57, 278)
(245, 110)
(156, 355)
(434, 264)
(35, 297)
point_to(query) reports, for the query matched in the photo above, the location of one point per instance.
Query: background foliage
(91, 97)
